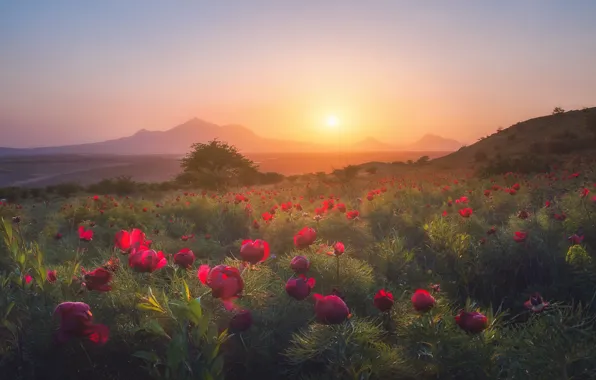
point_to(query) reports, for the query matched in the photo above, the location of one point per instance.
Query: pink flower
(147, 261)
(254, 252)
(76, 321)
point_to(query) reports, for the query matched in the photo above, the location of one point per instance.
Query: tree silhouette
(216, 165)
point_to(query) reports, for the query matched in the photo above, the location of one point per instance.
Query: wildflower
(339, 248)
(471, 322)
(466, 212)
(97, 279)
(58, 236)
(184, 258)
(76, 321)
(51, 276)
(254, 252)
(422, 300)
(147, 261)
(331, 309)
(300, 264)
(129, 241)
(305, 237)
(383, 300)
(535, 304)
(85, 235)
(300, 287)
(351, 215)
(520, 237)
(225, 281)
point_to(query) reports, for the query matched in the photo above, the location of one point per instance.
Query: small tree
(216, 165)
(558, 110)
(423, 160)
(372, 170)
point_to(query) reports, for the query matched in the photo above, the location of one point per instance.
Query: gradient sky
(81, 71)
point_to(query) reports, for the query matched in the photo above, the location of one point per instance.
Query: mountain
(370, 144)
(434, 143)
(555, 135)
(177, 141)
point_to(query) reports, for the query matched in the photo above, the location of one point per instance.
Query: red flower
(76, 321)
(225, 281)
(422, 300)
(523, 214)
(184, 258)
(351, 215)
(187, 237)
(85, 235)
(465, 212)
(58, 236)
(520, 237)
(305, 237)
(241, 321)
(130, 241)
(471, 322)
(300, 287)
(560, 217)
(339, 248)
(147, 261)
(97, 279)
(330, 310)
(300, 264)
(51, 276)
(254, 251)
(487, 193)
(516, 186)
(536, 304)
(28, 278)
(491, 231)
(267, 217)
(584, 192)
(576, 239)
(383, 300)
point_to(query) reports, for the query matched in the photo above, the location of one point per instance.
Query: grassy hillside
(551, 136)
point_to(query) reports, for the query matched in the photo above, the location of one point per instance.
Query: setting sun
(332, 121)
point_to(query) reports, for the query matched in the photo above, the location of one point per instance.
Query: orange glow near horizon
(389, 72)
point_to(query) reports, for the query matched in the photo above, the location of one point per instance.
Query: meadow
(412, 275)
(31, 171)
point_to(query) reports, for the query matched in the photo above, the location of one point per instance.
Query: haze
(82, 71)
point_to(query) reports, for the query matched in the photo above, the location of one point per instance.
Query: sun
(332, 121)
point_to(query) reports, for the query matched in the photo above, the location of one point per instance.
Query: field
(41, 171)
(421, 275)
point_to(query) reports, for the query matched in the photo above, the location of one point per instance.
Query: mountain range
(177, 141)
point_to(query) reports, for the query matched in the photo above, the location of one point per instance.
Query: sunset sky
(82, 71)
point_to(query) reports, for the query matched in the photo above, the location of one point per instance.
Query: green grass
(401, 242)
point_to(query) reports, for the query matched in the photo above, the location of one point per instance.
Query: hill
(177, 141)
(553, 136)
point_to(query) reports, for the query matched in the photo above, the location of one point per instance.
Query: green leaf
(176, 352)
(9, 309)
(186, 290)
(150, 357)
(149, 307)
(217, 365)
(195, 311)
(155, 328)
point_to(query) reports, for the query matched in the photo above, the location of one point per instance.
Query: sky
(83, 71)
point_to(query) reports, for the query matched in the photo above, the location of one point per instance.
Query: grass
(409, 235)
